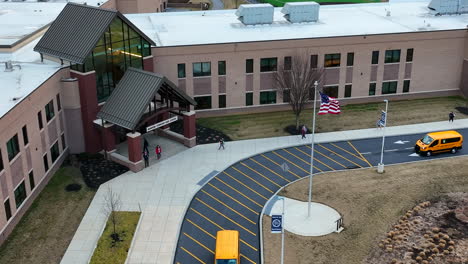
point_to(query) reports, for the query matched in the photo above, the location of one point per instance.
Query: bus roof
(227, 244)
(444, 134)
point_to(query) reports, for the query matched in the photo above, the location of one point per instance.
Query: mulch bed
(291, 129)
(463, 110)
(204, 135)
(96, 170)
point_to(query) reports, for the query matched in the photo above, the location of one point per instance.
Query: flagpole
(312, 151)
(380, 168)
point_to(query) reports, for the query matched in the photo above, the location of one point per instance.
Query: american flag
(328, 105)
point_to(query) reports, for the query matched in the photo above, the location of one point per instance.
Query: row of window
(271, 64)
(389, 87)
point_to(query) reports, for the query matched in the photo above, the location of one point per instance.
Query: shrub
(73, 187)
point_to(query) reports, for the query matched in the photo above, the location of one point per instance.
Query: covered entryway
(143, 102)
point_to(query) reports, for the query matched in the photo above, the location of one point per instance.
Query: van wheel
(454, 150)
(429, 153)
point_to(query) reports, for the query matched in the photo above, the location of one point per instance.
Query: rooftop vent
(297, 12)
(448, 7)
(255, 14)
(9, 66)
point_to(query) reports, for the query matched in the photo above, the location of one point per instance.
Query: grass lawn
(105, 252)
(369, 202)
(356, 116)
(43, 234)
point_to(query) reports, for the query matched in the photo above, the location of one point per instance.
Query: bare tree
(295, 82)
(112, 203)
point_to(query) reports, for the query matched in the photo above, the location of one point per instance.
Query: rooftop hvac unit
(447, 7)
(297, 12)
(255, 14)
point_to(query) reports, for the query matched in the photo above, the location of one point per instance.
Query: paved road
(235, 197)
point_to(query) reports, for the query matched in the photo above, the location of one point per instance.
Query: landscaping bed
(110, 251)
(97, 170)
(205, 135)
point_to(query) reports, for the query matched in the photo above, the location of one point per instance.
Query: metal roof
(132, 95)
(76, 31)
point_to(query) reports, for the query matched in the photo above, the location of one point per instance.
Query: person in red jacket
(158, 151)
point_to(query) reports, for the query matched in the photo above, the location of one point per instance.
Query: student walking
(158, 151)
(145, 145)
(451, 116)
(221, 143)
(146, 158)
(303, 131)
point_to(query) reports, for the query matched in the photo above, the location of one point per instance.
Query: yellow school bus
(227, 247)
(439, 142)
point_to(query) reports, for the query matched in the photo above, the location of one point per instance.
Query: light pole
(380, 168)
(312, 151)
(282, 233)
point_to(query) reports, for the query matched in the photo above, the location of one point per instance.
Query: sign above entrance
(162, 123)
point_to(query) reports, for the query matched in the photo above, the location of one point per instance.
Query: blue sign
(276, 224)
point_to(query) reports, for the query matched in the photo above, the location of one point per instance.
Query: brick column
(135, 152)
(190, 131)
(109, 138)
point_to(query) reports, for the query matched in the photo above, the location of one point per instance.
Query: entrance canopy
(142, 93)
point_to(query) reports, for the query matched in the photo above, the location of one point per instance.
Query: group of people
(157, 150)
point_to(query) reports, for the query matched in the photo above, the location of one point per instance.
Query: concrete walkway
(164, 190)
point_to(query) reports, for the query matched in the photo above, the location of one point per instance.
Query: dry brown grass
(369, 203)
(44, 233)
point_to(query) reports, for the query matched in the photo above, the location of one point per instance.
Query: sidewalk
(164, 190)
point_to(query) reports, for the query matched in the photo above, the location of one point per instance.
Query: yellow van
(439, 142)
(227, 247)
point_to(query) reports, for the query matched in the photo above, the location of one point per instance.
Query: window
(389, 87)
(372, 88)
(268, 97)
(406, 84)
(7, 209)
(39, 120)
(249, 66)
(222, 101)
(54, 152)
(286, 96)
(221, 67)
(203, 102)
(409, 55)
(313, 61)
(268, 64)
(332, 60)
(248, 99)
(201, 69)
(32, 184)
(46, 162)
(287, 63)
(13, 147)
(59, 104)
(350, 59)
(49, 110)
(331, 91)
(375, 57)
(64, 144)
(181, 70)
(1, 162)
(20, 194)
(392, 56)
(25, 135)
(347, 91)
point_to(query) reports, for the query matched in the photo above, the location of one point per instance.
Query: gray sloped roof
(76, 31)
(132, 95)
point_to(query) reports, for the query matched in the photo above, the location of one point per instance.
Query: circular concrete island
(322, 221)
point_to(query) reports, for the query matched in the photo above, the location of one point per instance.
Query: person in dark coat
(451, 116)
(146, 158)
(221, 143)
(145, 145)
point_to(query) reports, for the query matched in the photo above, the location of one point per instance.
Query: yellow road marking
(206, 232)
(261, 185)
(315, 150)
(196, 241)
(216, 199)
(350, 153)
(274, 162)
(234, 199)
(272, 171)
(308, 163)
(340, 155)
(274, 152)
(243, 184)
(242, 255)
(207, 219)
(270, 180)
(235, 222)
(319, 161)
(364, 159)
(195, 257)
(250, 199)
